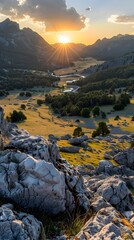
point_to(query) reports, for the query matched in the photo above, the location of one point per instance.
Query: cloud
(123, 19)
(54, 13)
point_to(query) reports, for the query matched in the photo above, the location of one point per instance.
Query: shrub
(103, 114)
(40, 102)
(117, 118)
(77, 132)
(85, 112)
(17, 116)
(132, 119)
(118, 106)
(28, 94)
(132, 144)
(96, 111)
(23, 106)
(101, 130)
(22, 94)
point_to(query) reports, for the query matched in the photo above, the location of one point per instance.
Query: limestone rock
(18, 225)
(70, 149)
(36, 146)
(66, 137)
(113, 190)
(78, 141)
(126, 158)
(32, 183)
(106, 224)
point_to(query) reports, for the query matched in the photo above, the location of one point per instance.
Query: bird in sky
(88, 9)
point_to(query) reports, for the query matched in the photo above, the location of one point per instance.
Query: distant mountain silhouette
(110, 48)
(23, 48)
(69, 51)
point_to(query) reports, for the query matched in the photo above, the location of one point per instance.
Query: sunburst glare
(63, 39)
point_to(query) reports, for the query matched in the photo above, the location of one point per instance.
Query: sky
(80, 21)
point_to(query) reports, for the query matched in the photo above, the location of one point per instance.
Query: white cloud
(53, 13)
(121, 19)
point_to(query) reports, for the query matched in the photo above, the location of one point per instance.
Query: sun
(63, 39)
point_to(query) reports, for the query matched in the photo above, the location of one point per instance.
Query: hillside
(70, 51)
(114, 77)
(110, 48)
(124, 60)
(23, 48)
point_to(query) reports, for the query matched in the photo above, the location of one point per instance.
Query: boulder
(41, 185)
(126, 158)
(106, 224)
(78, 141)
(66, 137)
(70, 149)
(113, 190)
(31, 183)
(19, 225)
(36, 146)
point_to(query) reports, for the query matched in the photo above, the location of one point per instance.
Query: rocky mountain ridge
(106, 49)
(23, 48)
(34, 176)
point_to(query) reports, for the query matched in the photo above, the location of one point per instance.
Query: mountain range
(23, 48)
(26, 49)
(106, 49)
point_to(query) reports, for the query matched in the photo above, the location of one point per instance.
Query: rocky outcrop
(36, 146)
(31, 183)
(70, 149)
(113, 190)
(33, 175)
(18, 225)
(78, 141)
(126, 158)
(106, 224)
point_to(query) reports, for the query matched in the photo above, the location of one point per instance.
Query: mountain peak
(9, 26)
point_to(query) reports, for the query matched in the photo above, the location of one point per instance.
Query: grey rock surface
(78, 141)
(31, 183)
(126, 158)
(18, 225)
(106, 224)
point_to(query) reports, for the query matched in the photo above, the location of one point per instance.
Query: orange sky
(70, 18)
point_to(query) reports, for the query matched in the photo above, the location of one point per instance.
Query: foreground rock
(36, 177)
(18, 225)
(126, 158)
(106, 224)
(31, 183)
(113, 190)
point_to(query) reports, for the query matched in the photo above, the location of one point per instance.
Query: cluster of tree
(122, 102)
(110, 79)
(102, 130)
(3, 93)
(25, 94)
(17, 80)
(16, 116)
(79, 104)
